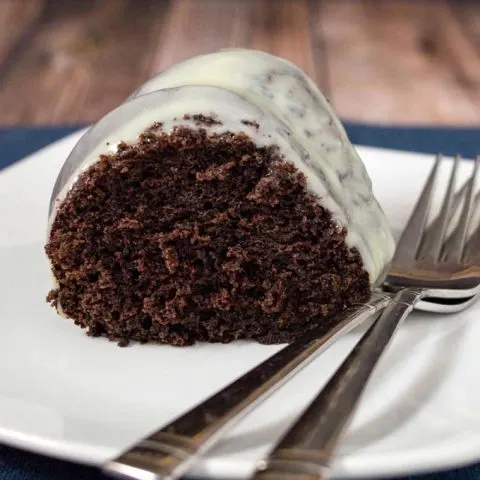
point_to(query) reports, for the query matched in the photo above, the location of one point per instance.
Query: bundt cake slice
(222, 201)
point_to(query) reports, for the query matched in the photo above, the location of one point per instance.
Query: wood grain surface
(70, 61)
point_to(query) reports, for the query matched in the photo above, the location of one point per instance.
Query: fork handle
(169, 452)
(305, 451)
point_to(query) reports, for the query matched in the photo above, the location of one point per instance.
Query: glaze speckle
(236, 84)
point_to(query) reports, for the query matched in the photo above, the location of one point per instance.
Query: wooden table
(68, 61)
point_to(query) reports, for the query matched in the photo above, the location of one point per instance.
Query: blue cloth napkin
(16, 142)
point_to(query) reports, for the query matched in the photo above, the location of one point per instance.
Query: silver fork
(428, 263)
(170, 451)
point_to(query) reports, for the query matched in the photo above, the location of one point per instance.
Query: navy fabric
(446, 140)
(17, 142)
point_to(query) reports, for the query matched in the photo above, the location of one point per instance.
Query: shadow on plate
(406, 405)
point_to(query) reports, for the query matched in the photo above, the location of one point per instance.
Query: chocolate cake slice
(222, 201)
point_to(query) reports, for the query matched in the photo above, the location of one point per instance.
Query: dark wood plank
(399, 62)
(18, 20)
(195, 27)
(453, 33)
(84, 59)
(282, 28)
(468, 14)
(459, 42)
(318, 46)
(279, 27)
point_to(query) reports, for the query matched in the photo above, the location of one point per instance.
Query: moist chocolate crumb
(155, 127)
(251, 123)
(52, 298)
(204, 120)
(187, 237)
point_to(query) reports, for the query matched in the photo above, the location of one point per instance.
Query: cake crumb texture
(189, 236)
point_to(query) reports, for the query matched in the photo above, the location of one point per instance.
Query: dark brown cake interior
(188, 237)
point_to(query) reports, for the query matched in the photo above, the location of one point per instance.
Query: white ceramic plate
(68, 395)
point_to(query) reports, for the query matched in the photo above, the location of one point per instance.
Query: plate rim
(369, 465)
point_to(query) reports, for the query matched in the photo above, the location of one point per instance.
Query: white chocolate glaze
(238, 85)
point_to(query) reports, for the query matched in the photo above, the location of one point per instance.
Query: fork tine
(454, 249)
(431, 247)
(458, 200)
(411, 238)
(472, 250)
